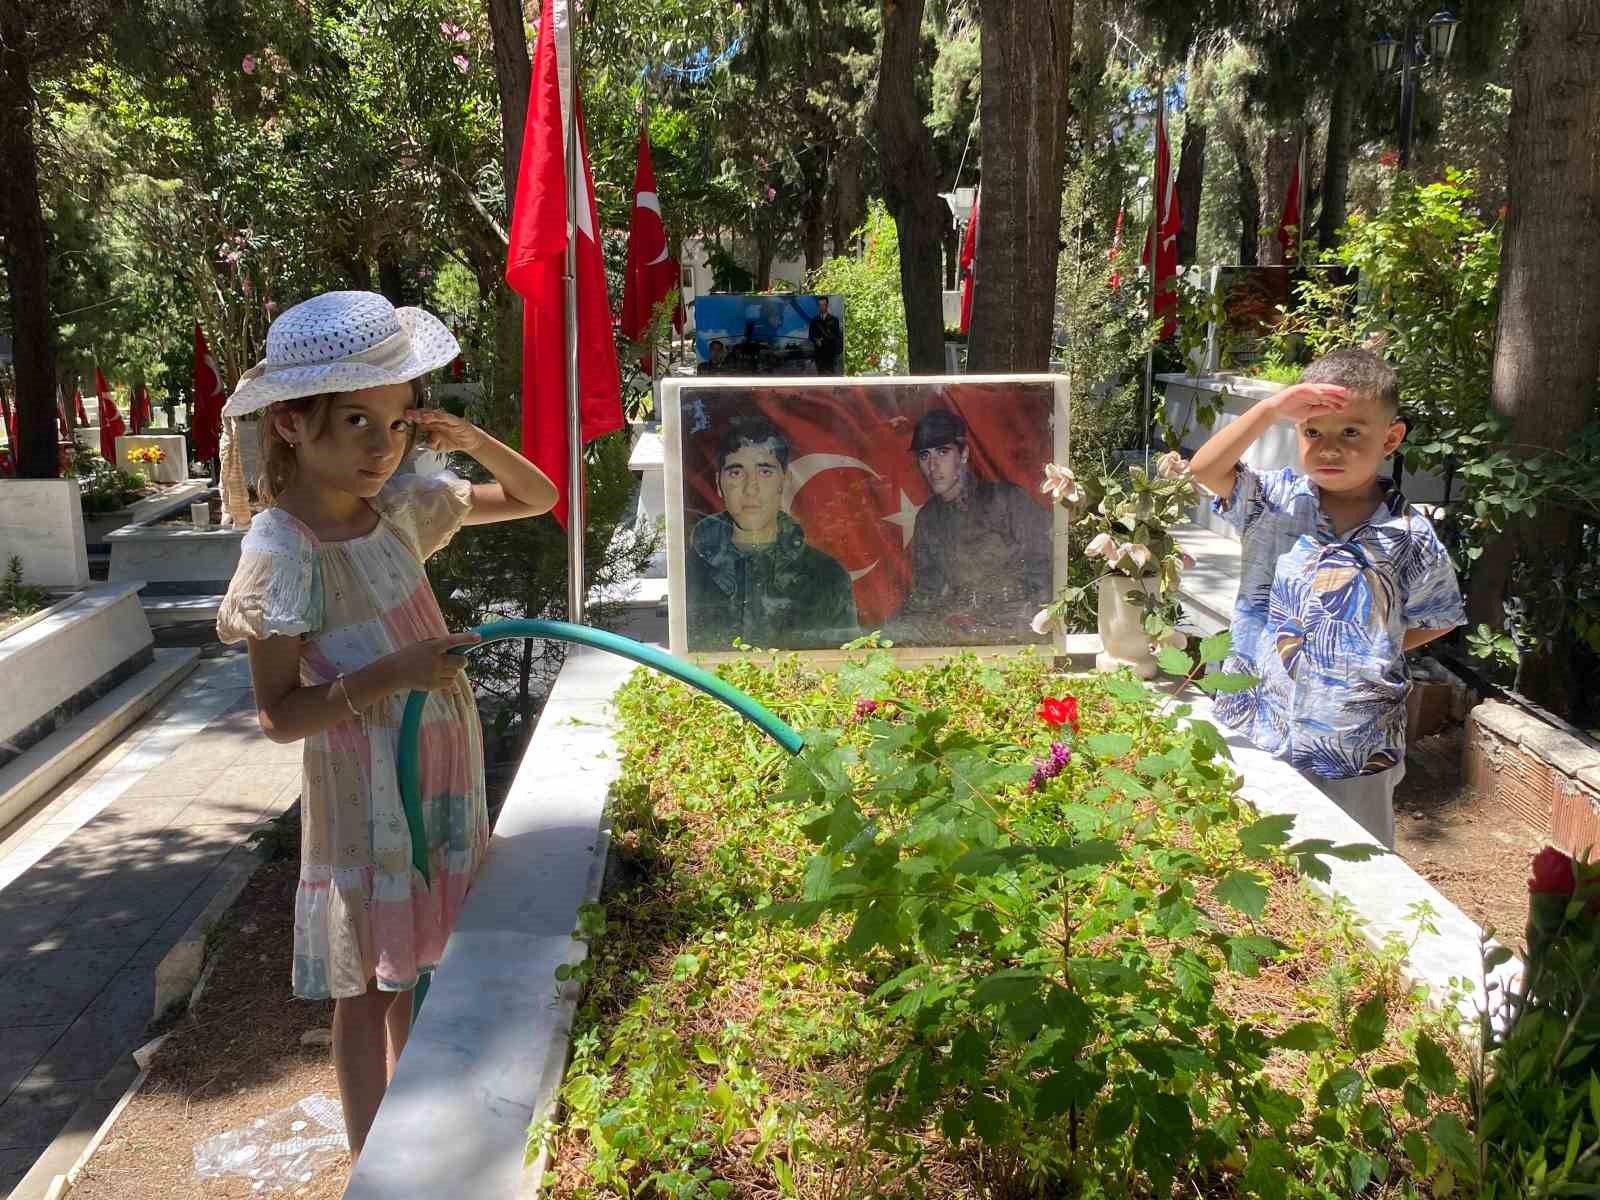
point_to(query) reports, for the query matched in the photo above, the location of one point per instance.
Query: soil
(237, 1057)
(181, 517)
(1474, 851)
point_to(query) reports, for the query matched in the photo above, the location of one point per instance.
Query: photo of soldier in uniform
(780, 334)
(751, 574)
(980, 549)
(803, 514)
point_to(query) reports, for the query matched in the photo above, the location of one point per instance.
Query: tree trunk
(513, 74)
(1546, 367)
(1026, 57)
(766, 251)
(1336, 162)
(847, 208)
(1249, 192)
(26, 258)
(391, 279)
(911, 183)
(1191, 178)
(952, 257)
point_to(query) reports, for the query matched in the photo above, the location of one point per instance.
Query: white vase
(1123, 640)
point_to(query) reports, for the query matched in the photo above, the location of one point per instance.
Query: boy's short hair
(1360, 371)
(752, 430)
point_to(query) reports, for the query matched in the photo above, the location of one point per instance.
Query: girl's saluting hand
(444, 431)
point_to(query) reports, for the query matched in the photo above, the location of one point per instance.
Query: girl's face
(362, 439)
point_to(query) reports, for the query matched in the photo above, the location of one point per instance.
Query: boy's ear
(1397, 434)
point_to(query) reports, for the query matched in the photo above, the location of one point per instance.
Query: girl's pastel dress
(362, 911)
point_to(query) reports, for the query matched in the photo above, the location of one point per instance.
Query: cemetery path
(97, 884)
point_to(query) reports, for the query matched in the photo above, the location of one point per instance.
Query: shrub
(980, 938)
(874, 315)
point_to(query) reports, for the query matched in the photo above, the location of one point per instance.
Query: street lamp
(1440, 32)
(960, 203)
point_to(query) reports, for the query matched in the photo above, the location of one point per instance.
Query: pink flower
(1060, 484)
(247, 64)
(1045, 621)
(1186, 559)
(1171, 465)
(1102, 544)
(1552, 874)
(462, 62)
(772, 192)
(454, 33)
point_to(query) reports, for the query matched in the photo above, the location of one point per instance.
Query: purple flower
(864, 709)
(247, 64)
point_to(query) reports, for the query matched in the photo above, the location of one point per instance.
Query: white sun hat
(342, 342)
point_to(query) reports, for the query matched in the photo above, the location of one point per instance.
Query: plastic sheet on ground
(284, 1149)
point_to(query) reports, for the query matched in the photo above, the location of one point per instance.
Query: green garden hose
(562, 631)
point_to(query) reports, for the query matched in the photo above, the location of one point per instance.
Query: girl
(341, 623)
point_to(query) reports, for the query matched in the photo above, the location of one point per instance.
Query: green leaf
(1344, 1086)
(877, 926)
(1173, 661)
(988, 1118)
(1434, 1068)
(1414, 1099)
(1071, 1087)
(1007, 987)
(1258, 838)
(1368, 1025)
(1225, 681)
(1452, 1138)
(1246, 951)
(1307, 1036)
(1390, 1075)
(1244, 891)
(1119, 687)
(1216, 647)
(1108, 745)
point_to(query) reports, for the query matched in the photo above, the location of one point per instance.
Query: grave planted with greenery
(996, 932)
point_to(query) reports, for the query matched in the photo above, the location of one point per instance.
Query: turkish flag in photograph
(854, 485)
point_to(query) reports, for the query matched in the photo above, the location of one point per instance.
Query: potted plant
(1125, 518)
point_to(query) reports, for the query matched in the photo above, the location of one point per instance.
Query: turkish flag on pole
(1289, 223)
(111, 423)
(652, 271)
(139, 408)
(1166, 224)
(969, 258)
(1114, 280)
(77, 403)
(205, 414)
(537, 259)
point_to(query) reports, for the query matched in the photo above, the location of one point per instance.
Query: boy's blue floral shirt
(1321, 618)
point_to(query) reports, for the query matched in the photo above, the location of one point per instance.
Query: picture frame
(811, 538)
(779, 333)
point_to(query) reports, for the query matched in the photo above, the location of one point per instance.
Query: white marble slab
(41, 522)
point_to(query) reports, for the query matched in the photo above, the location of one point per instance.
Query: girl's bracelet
(343, 689)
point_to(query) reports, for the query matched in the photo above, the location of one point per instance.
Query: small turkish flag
(205, 417)
(652, 271)
(853, 482)
(969, 259)
(1166, 227)
(77, 401)
(111, 424)
(536, 262)
(1289, 223)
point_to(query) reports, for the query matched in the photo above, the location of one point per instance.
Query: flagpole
(577, 510)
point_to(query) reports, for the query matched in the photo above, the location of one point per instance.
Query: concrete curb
(179, 971)
(34, 773)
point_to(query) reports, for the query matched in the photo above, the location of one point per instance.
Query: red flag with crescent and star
(853, 482)
(1288, 234)
(968, 263)
(652, 271)
(1165, 228)
(536, 262)
(205, 419)
(112, 425)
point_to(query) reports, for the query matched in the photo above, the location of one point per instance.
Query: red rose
(1552, 874)
(1056, 712)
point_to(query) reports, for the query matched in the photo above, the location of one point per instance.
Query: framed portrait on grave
(805, 513)
(776, 334)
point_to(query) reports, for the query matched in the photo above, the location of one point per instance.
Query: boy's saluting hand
(1302, 400)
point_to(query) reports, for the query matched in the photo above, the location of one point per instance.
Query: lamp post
(1416, 50)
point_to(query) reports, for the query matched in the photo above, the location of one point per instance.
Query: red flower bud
(1552, 874)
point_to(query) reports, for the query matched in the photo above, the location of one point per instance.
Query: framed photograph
(780, 334)
(802, 514)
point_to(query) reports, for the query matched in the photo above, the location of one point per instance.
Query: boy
(1339, 578)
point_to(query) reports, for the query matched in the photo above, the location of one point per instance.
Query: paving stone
(21, 1048)
(36, 1110)
(111, 1028)
(44, 986)
(165, 780)
(21, 926)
